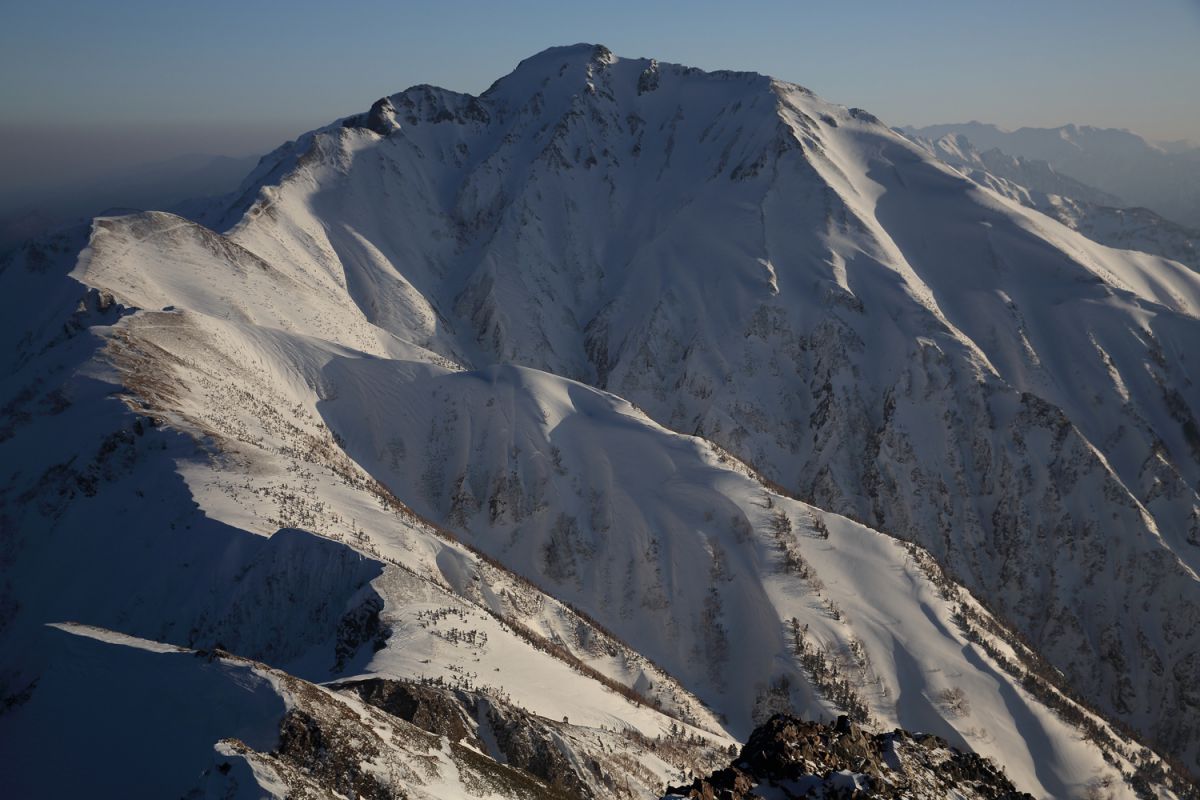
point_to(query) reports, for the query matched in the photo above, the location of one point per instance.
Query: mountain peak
(591, 59)
(579, 49)
(558, 62)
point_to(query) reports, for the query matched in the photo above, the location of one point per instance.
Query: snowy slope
(672, 546)
(738, 577)
(220, 513)
(717, 561)
(222, 437)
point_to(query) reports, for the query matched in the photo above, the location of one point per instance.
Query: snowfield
(603, 416)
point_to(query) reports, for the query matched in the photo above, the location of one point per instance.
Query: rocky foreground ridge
(790, 757)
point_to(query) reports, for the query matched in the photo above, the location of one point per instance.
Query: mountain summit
(652, 400)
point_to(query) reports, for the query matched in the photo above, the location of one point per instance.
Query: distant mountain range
(1098, 215)
(1164, 179)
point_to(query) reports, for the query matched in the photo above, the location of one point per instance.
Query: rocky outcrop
(334, 761)
(431, 709)
(381, 118)
(531, 744)
(790, 757)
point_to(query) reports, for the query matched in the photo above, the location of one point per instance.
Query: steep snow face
(796, 282)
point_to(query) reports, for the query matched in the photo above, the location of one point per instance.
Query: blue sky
(131, 80)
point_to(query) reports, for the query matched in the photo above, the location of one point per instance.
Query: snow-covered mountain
(1164, 179)
(558, 402)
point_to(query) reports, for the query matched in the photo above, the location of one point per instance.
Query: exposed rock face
(430, 709)
(790, 757)
(327, 747)
(525, 741)
(359, 626)
(381, 118)
(304, 741)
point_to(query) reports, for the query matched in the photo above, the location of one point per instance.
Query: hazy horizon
(94, 88)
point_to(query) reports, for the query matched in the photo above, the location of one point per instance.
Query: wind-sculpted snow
(365, 432)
